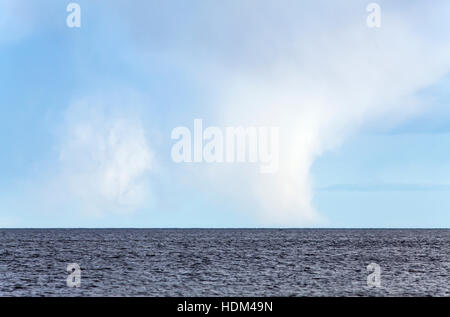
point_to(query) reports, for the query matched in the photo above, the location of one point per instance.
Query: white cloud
(317, 71)
(324, 92)
(104, 158)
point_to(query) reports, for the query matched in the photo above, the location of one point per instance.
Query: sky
(86, 114)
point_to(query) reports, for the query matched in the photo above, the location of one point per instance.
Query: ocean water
(131, 262)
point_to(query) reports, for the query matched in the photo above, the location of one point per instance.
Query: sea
(224, 262)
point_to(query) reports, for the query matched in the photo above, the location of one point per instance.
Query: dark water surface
(129, 262)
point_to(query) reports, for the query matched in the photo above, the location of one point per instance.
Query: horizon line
(225, 228)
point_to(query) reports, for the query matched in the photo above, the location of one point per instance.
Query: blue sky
(86, 113)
